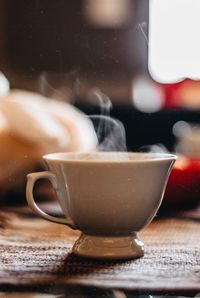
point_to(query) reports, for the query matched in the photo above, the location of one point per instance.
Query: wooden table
(35, 255)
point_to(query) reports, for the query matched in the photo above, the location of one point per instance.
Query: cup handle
(31, 179)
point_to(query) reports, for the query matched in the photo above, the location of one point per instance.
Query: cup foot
(100, 247)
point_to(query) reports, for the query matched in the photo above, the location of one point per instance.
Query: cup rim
(81, 157)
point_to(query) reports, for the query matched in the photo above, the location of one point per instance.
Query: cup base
(100, 247)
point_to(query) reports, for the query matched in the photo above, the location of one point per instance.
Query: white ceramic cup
(108, 196)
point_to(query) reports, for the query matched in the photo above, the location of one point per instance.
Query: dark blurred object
(146, 129)
(56, 36)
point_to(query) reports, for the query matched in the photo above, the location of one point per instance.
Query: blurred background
(84, 44)
(76, 46)
(71, 50)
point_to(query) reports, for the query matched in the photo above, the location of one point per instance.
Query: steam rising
(143, 27)
(47, 89)
(54, 85)
(110, 132)
(156, 148)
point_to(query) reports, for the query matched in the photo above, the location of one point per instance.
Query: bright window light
(174, 40)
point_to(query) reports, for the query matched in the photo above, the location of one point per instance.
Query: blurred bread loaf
(32, 125)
